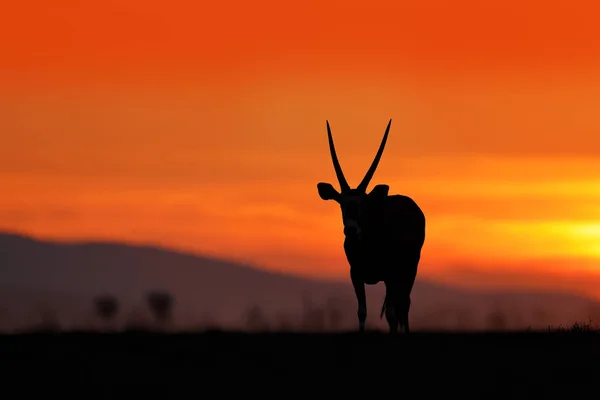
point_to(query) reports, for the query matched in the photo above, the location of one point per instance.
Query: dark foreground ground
(216, 364)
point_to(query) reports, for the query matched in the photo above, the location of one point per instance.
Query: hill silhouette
(41, 276)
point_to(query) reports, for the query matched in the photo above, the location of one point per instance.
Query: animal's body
(384, 235)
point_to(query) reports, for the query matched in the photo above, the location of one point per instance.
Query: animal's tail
(383, 307)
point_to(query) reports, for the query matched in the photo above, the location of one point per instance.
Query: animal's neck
(351, 228)
(351, 223)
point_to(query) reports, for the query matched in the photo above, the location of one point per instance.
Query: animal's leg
(390, 306)
(405, 285)
(359, 289)
(404, 307)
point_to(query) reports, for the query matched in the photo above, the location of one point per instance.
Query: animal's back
(406, 230)
(400, 221)
(393, 240)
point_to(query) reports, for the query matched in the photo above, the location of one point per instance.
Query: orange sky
(202, 127)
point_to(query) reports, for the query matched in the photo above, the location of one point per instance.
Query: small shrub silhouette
(593, 314)
(107, 308)
(464, 319)
(48, 323)
(208, 322)
(255, 319)
(161, 305)
(496, 321)
(577, 327)
(335, 315)
(313, 317)
(284, 322)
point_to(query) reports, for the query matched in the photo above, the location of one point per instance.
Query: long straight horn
(336, 164)
(365, 182)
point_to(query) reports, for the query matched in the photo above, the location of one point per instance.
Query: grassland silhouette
(314, 318)
(151, 360)
(147, 356)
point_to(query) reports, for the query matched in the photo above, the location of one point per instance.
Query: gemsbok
(384, 235)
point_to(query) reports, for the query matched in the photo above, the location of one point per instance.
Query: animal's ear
(380, 191)
(327, 191)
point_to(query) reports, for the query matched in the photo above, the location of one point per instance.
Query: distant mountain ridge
(66, 276)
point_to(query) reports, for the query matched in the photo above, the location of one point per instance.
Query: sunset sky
(201, 126)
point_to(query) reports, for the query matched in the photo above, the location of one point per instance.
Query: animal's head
(354, 202)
